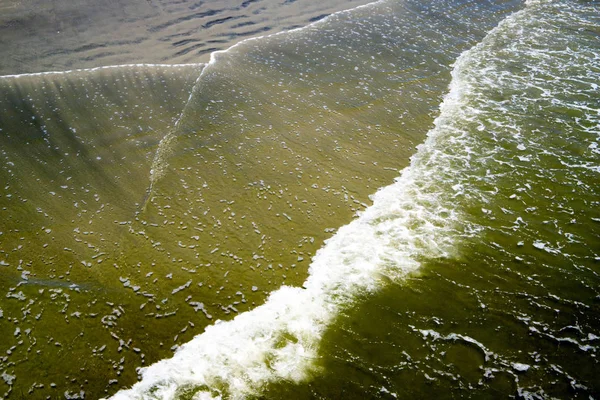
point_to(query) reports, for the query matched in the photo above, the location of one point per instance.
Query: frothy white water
(414, 217)
(280, 339)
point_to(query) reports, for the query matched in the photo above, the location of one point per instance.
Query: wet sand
(37, 35)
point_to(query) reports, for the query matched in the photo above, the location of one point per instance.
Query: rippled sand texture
(37, 35)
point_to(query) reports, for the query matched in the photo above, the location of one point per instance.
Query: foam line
(100, 68)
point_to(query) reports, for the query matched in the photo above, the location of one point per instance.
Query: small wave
(410, 219)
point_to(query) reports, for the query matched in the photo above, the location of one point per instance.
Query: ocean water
(399, 200)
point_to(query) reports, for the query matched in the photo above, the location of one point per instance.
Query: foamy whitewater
(279, 340)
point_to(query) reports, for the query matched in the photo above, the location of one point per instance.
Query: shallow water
(144, 203)
(39, 36)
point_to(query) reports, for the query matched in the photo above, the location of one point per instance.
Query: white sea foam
(279, 340)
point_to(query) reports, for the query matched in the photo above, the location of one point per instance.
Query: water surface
(398, 200)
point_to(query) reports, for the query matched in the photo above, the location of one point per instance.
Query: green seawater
(140, 204)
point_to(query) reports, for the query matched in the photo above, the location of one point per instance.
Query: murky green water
(140, 204)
